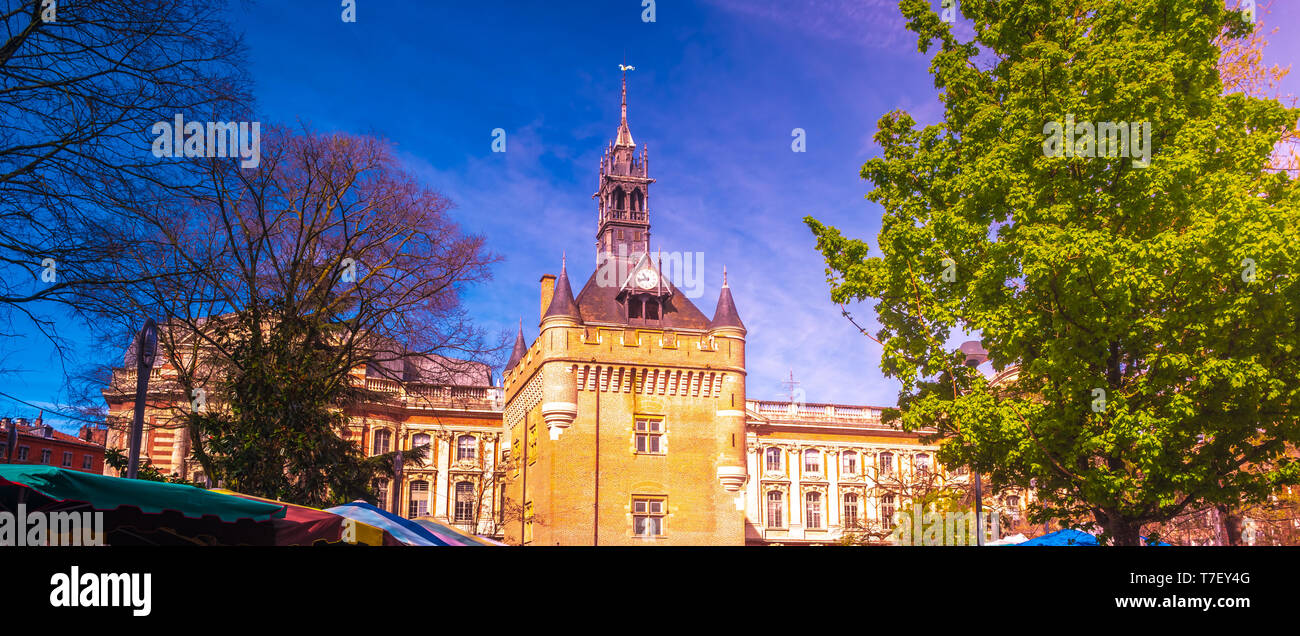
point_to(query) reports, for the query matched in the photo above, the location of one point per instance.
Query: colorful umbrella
(407, 531)
(304, 525)
(453, 535)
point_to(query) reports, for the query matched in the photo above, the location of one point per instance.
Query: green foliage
(1091, 274)
(116, 459)
(282, 433)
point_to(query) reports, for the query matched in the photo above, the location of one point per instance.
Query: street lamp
(975, 355)
(146, 345)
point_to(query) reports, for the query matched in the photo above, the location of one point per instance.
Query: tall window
(648, 517)
(850, 510)
(45, 455)
(419, 499)
(87, 461)
(464, 502)
(922, 464)
(423, 439)
(887, 511)
(4, 451)
(380, 487)
(1013, 507)
(886, 463)
(775, 508)
(773, 459)
(22, 453)
(812, 461)
(649, 436)
(67, 459)
(850, 463)
(466, 447)
(813, 508)
(382, 439)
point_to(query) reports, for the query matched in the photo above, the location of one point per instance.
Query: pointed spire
(726, 314)
(624, 135)
(562, 304)
(521, 349)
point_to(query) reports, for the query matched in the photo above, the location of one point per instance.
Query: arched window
(812, 461)
(850, 462)
(466, 447)
(775, 509)
(651, 309)
(419, 499)
(638, 200)
(886, 463)
(620, 199)
(773, 459)
(813, 508)
(464, 502)
(382, 438)
(850, 510)
(887, 511)
(422, 439)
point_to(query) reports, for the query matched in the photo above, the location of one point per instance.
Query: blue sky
(718, 88)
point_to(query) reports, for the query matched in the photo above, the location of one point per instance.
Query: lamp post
(976, 355)
(146, 344)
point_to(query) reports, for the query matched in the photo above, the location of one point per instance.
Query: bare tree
(327, 233)
(81, 85)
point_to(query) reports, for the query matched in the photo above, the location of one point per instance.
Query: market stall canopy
(304, 525)
(453, 535)
(132, 511)
(406, 531)
(102, 492)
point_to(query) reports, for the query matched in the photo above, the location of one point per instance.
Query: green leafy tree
(280, 429)
(117, 460)
(1149, 294)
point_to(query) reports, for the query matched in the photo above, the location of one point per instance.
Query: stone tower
(626, 416)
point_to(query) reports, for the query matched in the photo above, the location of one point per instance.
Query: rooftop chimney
(548, 290)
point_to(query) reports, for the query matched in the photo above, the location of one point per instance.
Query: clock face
(646, 279)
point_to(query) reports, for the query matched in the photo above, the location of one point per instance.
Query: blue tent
(403, 530)
(1072, 537)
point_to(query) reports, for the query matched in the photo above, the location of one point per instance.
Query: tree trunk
(1231, 525)
(1124, 533)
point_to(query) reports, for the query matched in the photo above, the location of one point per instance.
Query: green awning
(152, 497)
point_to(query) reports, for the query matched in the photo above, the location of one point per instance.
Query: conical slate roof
(562, 300)
(521, 349)
(726, 314)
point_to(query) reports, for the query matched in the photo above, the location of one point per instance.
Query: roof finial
(724, 275)
(624, 136)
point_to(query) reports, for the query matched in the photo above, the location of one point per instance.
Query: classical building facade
(36, 442)
(458, 417)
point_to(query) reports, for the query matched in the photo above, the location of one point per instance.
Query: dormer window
(643, 309)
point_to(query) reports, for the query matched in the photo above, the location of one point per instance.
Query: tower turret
(520, 350)
(623, 197)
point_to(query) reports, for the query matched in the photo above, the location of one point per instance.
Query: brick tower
(626, 416)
